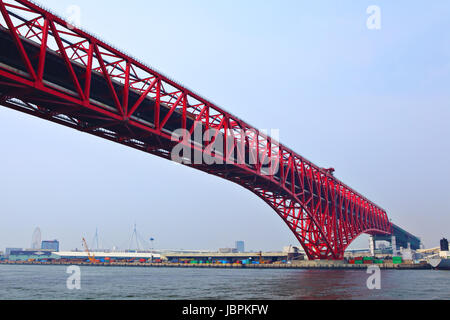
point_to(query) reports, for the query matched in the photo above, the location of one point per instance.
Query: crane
(91, 258)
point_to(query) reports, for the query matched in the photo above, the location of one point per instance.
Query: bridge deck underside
(403, 238)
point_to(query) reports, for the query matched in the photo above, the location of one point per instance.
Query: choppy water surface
(49, 282)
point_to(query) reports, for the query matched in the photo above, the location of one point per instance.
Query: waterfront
(49, 282)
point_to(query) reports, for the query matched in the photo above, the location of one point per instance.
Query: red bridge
(59, 73)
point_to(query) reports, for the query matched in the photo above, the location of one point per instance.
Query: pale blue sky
(375, 105)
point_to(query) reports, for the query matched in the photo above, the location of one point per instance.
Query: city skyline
(141, 245)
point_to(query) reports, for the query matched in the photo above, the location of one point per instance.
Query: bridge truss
(54, 71)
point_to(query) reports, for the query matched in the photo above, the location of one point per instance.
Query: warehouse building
(32, 255)
(234, 257)
(108, 256)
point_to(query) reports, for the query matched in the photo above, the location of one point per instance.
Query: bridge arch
(67, 76)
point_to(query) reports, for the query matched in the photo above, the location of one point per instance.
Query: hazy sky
(373, 104)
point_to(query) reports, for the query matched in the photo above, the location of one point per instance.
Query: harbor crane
(91, 257)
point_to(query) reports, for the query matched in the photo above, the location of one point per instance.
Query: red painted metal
(324, 214)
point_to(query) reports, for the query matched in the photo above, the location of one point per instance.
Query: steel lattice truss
(54, 71)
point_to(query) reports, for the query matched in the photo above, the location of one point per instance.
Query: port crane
(91, 257)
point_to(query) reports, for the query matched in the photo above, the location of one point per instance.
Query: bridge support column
(372, 245)
(394, 246)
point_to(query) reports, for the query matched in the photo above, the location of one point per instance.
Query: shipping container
(397, 260)
(378, 261)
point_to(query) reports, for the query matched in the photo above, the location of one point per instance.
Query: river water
(50, 283)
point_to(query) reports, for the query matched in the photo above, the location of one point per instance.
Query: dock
(324, 265)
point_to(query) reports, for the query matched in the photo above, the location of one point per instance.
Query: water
(49, 282)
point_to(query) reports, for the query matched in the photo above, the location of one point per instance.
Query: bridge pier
(394, 245)
(372, 245)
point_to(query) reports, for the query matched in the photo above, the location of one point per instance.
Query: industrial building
(233, 257)
(50, 245)
(28, 255)
(228, 250)
(9, 250)
(115, 256)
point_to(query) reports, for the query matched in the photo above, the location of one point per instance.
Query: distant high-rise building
(50, 245)
(240, 246)
(36, 238)
(444, 245)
